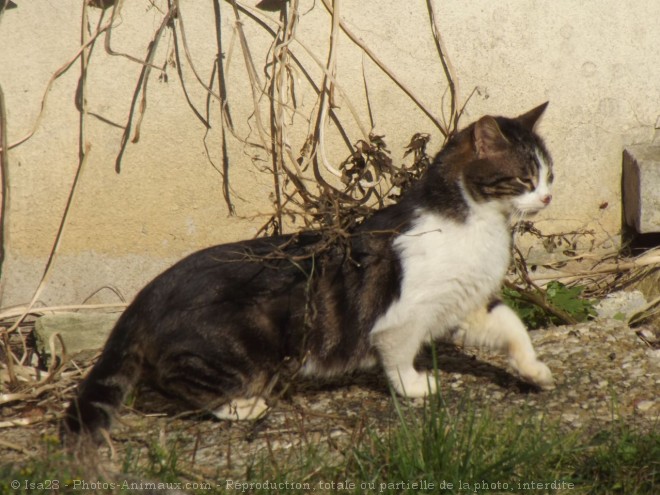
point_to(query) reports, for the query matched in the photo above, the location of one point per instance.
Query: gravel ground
(603, 369)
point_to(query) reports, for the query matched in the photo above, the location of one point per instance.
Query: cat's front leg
(397, 348)
(500, 328)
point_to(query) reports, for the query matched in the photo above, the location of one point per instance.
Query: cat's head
(512, 166)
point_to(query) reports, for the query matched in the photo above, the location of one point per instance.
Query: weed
(619, 460)
(435, 448)
(563, 299)
(438, 451)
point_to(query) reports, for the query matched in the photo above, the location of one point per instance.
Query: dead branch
(358, 41)
(224, 106)
(141, 87)
(58, 73)
(4, 183)
(179, 71)
(447, 68)
(116, 7)
(253, 76)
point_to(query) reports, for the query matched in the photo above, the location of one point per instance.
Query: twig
(8, 313)
(10, 358)
(4, 186)
(59, 72)
(255, 83)
(225, 114)
(83, 153)
(644, 313)
(11, 423)
(327, 74)
(108, 48)
(186, 50)
(81, 93)
(18, 448)
(446, 67)
(53, 367)
(326, 88)
(57, 241)
(539, 300)
(249, 12)
(390, 74)
(366, 94)
(179, 70)
(535, 295)
(141, 86)
(289, 17)
(608, 269)
(111, 288)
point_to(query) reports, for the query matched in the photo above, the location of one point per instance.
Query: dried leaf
(271, 5)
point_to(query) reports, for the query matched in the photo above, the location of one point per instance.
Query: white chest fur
(450, 269)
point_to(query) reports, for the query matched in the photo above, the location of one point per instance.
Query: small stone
(337, 433)
(645, 405)
(497, 396)
(653, 354)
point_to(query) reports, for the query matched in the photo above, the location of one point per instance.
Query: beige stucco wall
(597, 62)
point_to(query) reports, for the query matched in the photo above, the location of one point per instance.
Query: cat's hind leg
(218, 386)
(499, 327)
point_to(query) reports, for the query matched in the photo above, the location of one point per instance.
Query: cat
(218, 329)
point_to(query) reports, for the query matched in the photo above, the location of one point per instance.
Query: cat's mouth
(530, 205)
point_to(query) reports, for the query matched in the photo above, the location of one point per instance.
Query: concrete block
(641, 187)
(79, 331)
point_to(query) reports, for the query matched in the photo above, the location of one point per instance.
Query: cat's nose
(546, 199)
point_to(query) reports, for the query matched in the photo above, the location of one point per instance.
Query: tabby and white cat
(218, 328)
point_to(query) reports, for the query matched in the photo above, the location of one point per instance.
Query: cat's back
(244, 262)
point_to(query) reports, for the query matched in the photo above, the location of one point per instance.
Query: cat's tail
(106, 386)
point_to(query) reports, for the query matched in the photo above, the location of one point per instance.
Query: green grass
(471, 451)
(452, 452)
(619, 460)
(433, 449)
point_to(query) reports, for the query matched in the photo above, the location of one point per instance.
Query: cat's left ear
(528, 120)
(488, 137)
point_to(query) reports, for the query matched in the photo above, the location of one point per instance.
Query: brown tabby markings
(227, 322)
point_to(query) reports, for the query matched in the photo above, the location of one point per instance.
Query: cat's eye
(527, 182)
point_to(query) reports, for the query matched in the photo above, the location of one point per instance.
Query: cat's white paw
(537, 373)
(414, 384)
(242, 409)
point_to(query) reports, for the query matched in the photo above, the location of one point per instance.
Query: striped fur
(219, 328)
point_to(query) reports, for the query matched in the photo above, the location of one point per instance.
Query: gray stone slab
(79, 331)
(621, 304)
(641, 187)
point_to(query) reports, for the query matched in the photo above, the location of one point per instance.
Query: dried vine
(307, 186)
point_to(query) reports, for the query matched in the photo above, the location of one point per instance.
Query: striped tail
(106, 386)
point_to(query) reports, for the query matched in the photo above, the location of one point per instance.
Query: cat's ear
(528, 120)
(488, 137)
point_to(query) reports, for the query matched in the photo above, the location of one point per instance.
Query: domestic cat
(217, 329)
